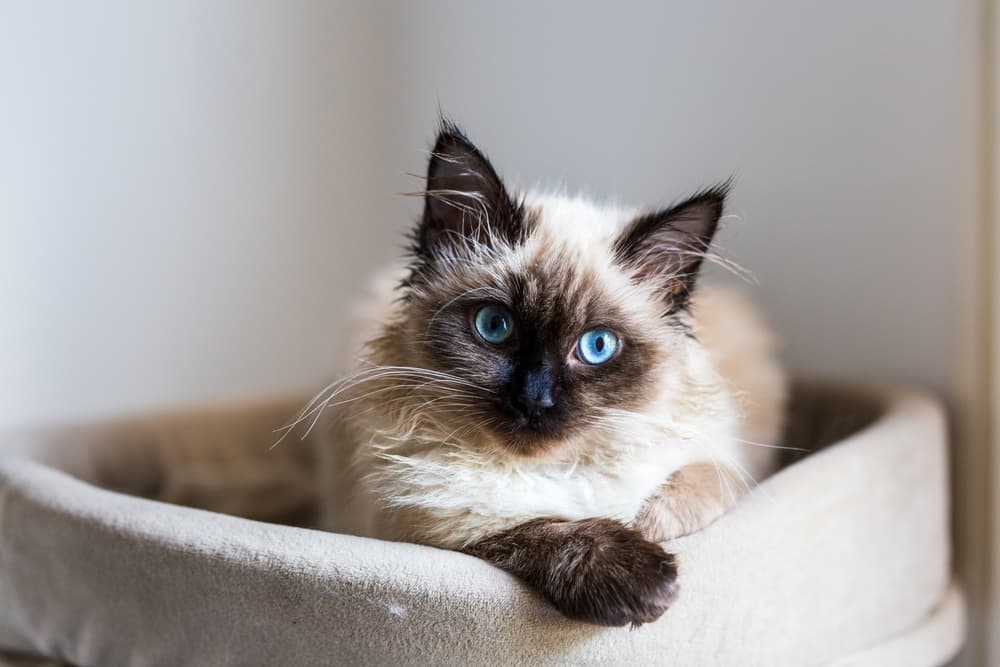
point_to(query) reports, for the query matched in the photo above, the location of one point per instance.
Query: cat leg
(593, 570)
(690, 499)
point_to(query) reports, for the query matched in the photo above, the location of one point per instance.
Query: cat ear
(465, 202)
(668, 246)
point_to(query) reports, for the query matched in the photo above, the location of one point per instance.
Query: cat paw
(608, 574)
(692, 498)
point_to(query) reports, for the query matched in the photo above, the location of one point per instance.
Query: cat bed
(179, 540)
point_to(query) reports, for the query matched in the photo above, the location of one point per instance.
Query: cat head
(547, 313)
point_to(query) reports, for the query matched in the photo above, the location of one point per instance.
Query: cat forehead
(564, 267)
(578, 219)
(570, 247)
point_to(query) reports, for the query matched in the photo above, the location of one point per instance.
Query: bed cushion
(183, 539)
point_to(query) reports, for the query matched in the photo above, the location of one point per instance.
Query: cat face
(547, 312)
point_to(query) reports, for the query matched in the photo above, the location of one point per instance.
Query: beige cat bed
(841, 558)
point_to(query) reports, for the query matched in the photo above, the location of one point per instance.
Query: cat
(543, 387)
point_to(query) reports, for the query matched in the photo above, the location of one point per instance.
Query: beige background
(191, 192)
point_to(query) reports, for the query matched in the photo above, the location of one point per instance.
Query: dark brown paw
(595, 570)
(609, 574)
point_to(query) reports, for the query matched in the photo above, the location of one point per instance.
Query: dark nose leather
(535, 396)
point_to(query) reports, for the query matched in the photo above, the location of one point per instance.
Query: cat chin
(536, 446)
(532, 442)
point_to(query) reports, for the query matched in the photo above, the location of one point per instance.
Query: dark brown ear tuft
(465, 201)
(668, 246)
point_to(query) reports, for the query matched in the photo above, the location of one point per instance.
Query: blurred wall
(189, 192)
(192, 192)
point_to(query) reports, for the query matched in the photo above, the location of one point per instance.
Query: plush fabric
(841, 558)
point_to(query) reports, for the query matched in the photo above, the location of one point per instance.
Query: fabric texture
(164, 541)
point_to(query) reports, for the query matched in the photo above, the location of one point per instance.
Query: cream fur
(402, 473)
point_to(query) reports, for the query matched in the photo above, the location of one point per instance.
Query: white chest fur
(463, 495)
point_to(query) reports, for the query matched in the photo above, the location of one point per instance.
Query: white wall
(190, 192)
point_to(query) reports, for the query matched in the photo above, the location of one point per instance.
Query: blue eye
(597, 346)
(494, 323)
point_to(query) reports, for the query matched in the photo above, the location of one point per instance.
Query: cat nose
(536, 392)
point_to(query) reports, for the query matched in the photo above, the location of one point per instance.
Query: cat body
(543, 379)
(462, 493)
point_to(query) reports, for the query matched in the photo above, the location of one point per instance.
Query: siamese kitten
(543, 387)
